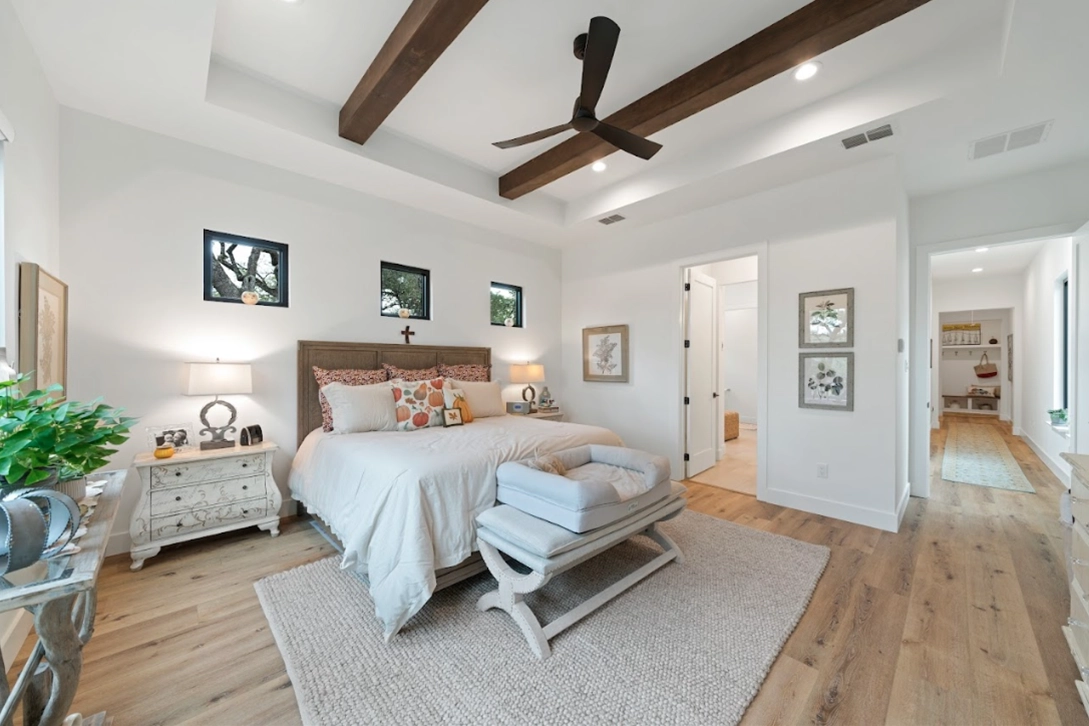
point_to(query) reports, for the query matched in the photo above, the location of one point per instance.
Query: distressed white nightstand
(200, 493)
(556, 415)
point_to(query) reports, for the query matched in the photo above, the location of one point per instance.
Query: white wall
(29, 182)
(28, 210)
(134, 207)
(1040, 360)
(841, 231)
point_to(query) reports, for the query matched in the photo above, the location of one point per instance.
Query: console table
(63, 601)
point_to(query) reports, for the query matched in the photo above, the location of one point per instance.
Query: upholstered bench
(547, 548)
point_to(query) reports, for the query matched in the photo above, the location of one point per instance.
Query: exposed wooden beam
(806, 33)
(426, 29)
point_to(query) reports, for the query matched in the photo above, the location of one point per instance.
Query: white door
(1080, 324)
(700, 379)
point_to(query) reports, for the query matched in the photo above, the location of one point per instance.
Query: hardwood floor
(955, 620)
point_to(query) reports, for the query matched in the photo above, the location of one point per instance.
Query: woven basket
(732, 425)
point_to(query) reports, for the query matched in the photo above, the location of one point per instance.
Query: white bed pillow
(361, 408)
(485, 399)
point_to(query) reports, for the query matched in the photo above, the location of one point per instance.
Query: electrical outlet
(822, 471)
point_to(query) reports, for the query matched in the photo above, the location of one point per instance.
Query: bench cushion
(604, 484)
(540, 544)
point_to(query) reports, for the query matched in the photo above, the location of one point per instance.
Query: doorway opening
(722, 366)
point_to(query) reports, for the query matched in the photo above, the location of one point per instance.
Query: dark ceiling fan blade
(600, 46)
(530, 138)
(627, 141)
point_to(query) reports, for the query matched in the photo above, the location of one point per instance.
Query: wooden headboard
(367, 356)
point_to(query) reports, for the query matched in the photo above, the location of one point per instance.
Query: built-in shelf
(971, 347)
(1061, 429)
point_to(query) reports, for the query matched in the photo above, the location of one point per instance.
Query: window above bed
(244, 270)
(406, 292)
(506, 305)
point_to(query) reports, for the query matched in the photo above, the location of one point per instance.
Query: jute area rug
(977, 454)
(689, 645)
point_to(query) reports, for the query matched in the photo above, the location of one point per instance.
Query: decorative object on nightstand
(518, 407)
(202, 493)
(251, 435)
(545, 402)
(554, 415)
(528, 373)
(164, 452)
(219, 379)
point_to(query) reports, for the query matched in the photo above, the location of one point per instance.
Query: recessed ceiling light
(807, 70)
(982, 249)
(977, 269)
(599, 166)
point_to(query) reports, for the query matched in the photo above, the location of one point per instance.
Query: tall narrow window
(244, 270)
(506, 305)
(406, 292)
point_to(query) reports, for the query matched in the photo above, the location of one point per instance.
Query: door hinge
(686, 457)
(688, 287)
(688, 344)
(687, 400)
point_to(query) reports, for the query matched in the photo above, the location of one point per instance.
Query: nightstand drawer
(199, 519)
(206, 494)
(171, 475)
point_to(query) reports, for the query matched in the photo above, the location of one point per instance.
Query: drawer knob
(177, 499)
(177, 473)
(244, 511)
(245, 486)
(244, 465)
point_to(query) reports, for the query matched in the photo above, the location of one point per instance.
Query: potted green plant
(1058, 416)
(43, 439)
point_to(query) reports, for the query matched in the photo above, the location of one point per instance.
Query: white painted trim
(901, 507)
(760, 251)
(7, 133)
(865, 516)
(1051, 463)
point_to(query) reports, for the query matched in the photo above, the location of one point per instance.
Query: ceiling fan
(595, 49)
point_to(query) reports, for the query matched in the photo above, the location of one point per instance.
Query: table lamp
(218, 379)
(528, 373)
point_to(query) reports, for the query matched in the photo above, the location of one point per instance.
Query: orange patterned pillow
(479, 373)
(418, 404)
(347, 376)
(404, 374)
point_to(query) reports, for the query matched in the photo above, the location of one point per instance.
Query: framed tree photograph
(826, 319)
(43, 328)
(605, 354)
(244, 270)
(826, 381)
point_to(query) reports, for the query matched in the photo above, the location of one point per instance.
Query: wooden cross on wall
(407, 332)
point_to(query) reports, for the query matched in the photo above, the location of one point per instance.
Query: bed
(403, 504)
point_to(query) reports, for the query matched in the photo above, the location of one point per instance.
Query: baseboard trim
(837, 510)
(1045, 457)
(901, 507)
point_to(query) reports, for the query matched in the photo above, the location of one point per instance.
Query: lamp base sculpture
(218, 433)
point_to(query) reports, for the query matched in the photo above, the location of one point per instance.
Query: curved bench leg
(664, 541)
(513, 586)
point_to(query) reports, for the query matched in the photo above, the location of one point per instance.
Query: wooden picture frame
(814, 393)
(836, 307)
(605, 354)
(43, 328)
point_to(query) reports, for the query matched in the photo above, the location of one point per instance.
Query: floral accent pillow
(455, 398)
(418, 404)
(468, 372)
(347, 376)
(405, 374)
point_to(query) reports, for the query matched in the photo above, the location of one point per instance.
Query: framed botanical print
(43, 328)
(826, 319)
(605, 354)
(826, 381)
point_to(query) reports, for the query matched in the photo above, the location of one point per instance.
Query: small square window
(506, 305)
(406, 288)
(238, 268)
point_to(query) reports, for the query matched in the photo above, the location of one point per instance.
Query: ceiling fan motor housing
(580, 45)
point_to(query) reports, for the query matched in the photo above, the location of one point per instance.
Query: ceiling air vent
(612, 219)
(876, 134)
(1016, 139)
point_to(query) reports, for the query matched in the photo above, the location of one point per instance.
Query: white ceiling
(264, 79)
(1001, 261)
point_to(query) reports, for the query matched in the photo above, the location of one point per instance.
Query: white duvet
(404, 503)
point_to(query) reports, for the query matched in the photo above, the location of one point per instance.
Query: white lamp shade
(527, 373)
(219, 379)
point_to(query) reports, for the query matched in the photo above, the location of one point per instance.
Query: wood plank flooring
(954, 620)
